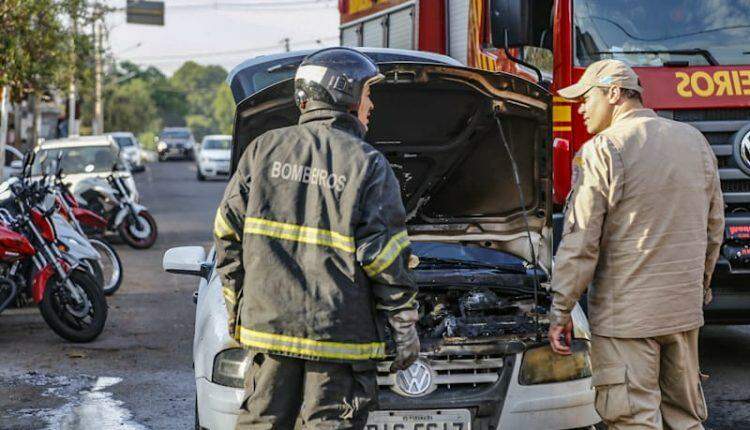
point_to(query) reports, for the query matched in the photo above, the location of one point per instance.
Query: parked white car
(484, 361)
(83, 157)
(13, 163)
(130, 150)
(214, 157)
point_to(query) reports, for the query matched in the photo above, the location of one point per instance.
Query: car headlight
(161, 146)
(541, 365)
(205, 159)
(230, 366)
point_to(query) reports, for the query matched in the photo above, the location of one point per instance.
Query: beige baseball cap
(604, 73)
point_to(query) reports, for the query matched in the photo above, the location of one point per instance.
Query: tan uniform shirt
(643, 229)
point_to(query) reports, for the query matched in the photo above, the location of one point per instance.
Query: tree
(34, 45)
(170, 102)
(223, 109)
(129, 107)
(199, 84)
(35, 53)
(200, 125)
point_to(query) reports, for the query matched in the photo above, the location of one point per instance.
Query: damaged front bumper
(485, 378)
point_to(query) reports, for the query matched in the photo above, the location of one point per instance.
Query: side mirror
(186, 260)
(524, 22)
(16, 164)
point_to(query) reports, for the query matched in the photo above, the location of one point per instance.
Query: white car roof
(217, 136)
(121, 134)
(98, 140)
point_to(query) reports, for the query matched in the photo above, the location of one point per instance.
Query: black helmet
(335, 77)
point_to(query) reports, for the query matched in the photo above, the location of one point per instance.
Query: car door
(11, 155)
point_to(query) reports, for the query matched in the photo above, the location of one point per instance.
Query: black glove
(404, 331)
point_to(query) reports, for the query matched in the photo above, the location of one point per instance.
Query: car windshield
(123, 141)
(175, 134)
(81, 159)
(666, 32)
(217, 143)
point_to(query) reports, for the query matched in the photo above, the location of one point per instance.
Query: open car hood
(437, 125)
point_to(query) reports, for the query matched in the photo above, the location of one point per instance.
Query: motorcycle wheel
(139, 238)
(110, 266)
(76, 322)
(95, 270)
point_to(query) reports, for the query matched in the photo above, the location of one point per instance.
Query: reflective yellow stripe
(222, 230)
(299, 233)
(229, 295)
(568, 128)
(389, 253)
(311, 348)
(561, 113)
(557, 99)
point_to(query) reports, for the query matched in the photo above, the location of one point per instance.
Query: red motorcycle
(33, 267)
(108, 270)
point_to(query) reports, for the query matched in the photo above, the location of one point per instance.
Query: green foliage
(200, 125)
(130, 108)
(223, 110)
(34, 44)
(199, 84)
(195, 96)
(147, 140)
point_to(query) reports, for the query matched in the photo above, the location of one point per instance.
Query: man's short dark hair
(626, 93)
(631, 94)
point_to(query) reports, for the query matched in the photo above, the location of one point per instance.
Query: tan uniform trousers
(648, 383)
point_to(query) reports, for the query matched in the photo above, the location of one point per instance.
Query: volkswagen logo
(415, 381)
(742, 149)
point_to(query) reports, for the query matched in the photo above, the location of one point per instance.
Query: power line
(260, 6)
(249, 50)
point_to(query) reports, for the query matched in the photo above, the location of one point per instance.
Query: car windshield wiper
(282, 67)
(695, 51)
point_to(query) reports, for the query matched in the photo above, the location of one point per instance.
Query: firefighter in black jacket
(311, 244)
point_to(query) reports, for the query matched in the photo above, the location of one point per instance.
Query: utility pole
(72, 124)
(3, 125)
(286, 43)
(98, 123)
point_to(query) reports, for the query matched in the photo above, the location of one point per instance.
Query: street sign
(145, 12)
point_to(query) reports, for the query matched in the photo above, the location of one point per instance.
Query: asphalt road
(138, 374)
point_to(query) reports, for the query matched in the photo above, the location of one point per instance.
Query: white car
(214, 157)
(130, 150)
(83, 157)
(13, 163)
(483, 293)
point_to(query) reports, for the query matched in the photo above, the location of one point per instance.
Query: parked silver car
(130, 150)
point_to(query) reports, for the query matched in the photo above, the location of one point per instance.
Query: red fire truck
(692, 56)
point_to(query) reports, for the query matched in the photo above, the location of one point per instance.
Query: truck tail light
(561, 169)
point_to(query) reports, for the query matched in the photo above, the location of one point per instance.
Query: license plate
(455, 419)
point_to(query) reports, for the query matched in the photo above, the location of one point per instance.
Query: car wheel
(200, 175)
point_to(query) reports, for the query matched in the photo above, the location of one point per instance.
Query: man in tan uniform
(643, 227)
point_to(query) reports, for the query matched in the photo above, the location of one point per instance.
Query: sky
(223, 32)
